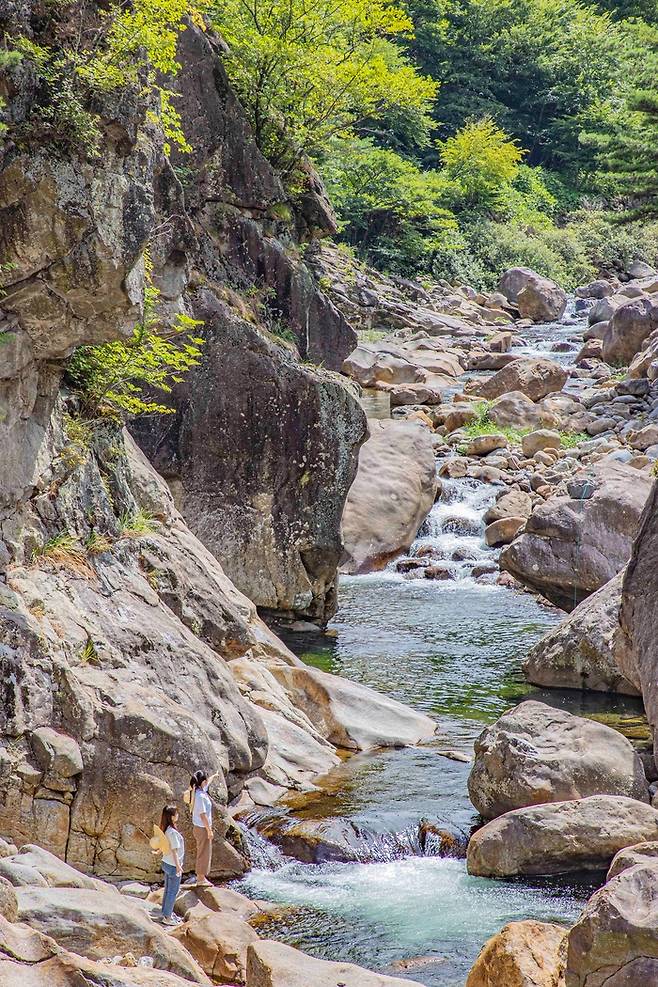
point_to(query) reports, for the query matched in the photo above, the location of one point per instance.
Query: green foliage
(137, 523)
(64, 549)
(307, 70)
(569, 440)
(128, 45)
(88, 653)
(387, 207)
(8, 59)
(480, 161)
(96, 544)
(112, 378)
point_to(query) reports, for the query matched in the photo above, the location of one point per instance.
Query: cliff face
(127, 656)
(263, 448)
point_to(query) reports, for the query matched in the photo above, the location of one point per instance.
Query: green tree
(542, 69)
(308, 70)
(114, 378)
(388, 209)
(480, 161)
(127, 44)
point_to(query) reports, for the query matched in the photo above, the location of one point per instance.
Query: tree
(113, 378)
(542, 69)
(632, 156)
(127, 44)
(480, 160)
(387, 207)
(309, 70)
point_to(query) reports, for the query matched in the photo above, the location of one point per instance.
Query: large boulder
(638, 648)
(576, 541)
(560, 837)
(535, 753)
(536, 297)
(630, 856)
(261, 468)
(522, 954)
(584, 650)
(391, 496)
(218, 941)
(629, 326)
(272, 964)
(515, 410)
(533, 377)
(615, 940)
(542, 301)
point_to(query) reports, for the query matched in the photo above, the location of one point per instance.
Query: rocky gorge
(161, 577)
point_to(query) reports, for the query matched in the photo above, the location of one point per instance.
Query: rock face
(261, 469)
(638, 648)
(560, 837)
(615, 940)
(391, 496)
(522, 954)
(262, 449)
(535, 754)
(272, 964)
(584, 650)
(534, 378)
(576, 541)
(128, 656)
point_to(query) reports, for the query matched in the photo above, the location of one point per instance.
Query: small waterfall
(263, 854)
(276, 838)
(452, 536)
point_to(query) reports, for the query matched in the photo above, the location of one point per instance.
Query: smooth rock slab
(391, 496)
(272, 964)
(630, 856)
(97, 924)
(522, 954)
(535, 754)
(560, 837)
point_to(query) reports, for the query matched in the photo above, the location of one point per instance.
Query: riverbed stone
(629, 326)
(515, 410)
(533, 377)
(513, 503)
(540, 440)
(630, 856)
(482, 445)
(218, 941)
(392, 493)
(503, 531)
(535, 753)
(536, 297)
(560, 837)
(522, 954)
(584, 650)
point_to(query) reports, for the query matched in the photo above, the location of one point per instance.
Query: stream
(451, 649)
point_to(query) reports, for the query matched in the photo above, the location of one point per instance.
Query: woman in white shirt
(201, 805)
(172, 862)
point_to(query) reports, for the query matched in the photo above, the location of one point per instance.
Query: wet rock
(522, 954)
(595, 289)
(560, 837)
(583, 651)
(392, 494)
(535, 754)
(272, 964)
(534, 378)
(615, 940)
(573, 544)
(503, 531)
(438, 572)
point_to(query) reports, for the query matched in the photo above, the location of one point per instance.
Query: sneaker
(169, 921)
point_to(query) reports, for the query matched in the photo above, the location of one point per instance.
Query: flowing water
(451, 649)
